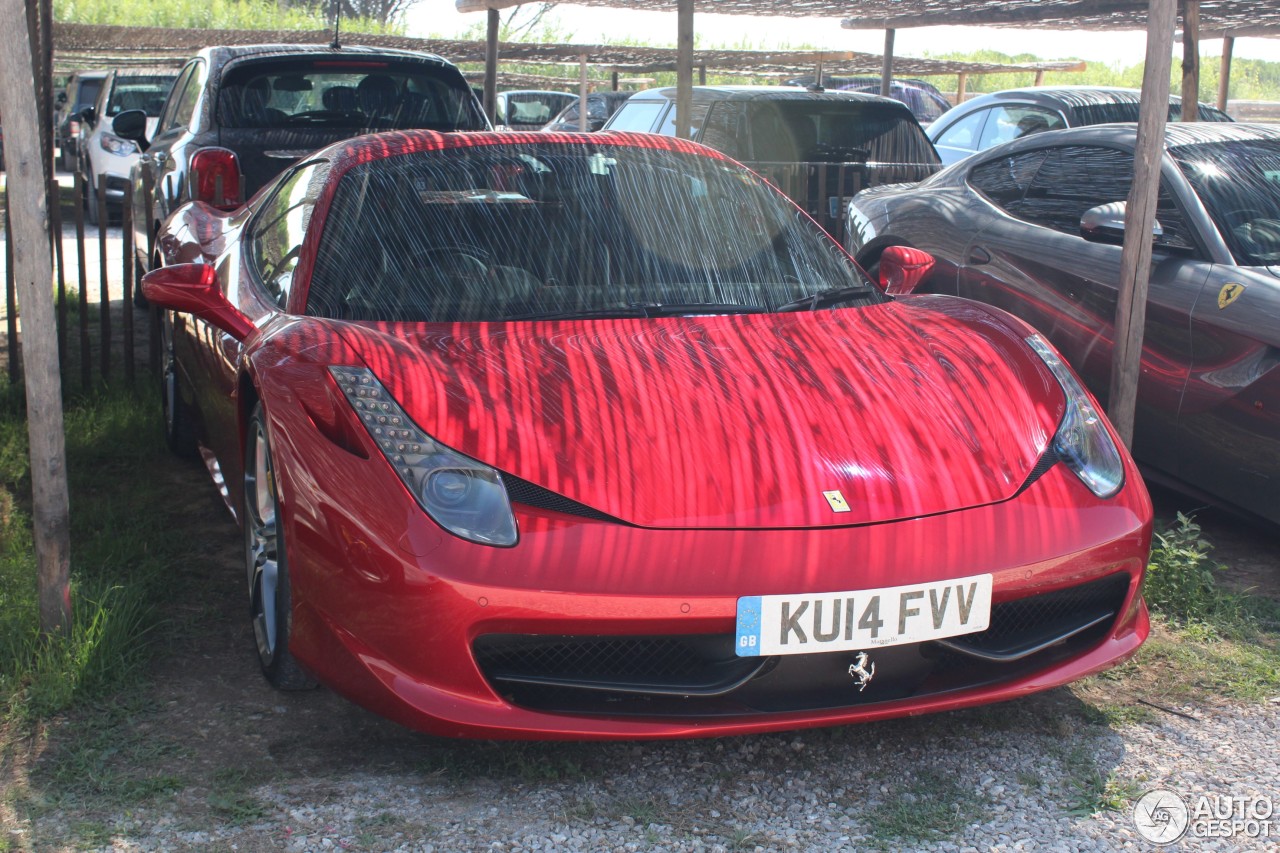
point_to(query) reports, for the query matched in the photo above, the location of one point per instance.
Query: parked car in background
(988, 120)
(600, 105)
(106, 158)
(238, 116)
(529, 109)
(1035, 226)
(924, 100)
(81, 91)
(817, 147)
(446, 383)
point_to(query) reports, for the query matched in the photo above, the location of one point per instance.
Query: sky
(593, 25)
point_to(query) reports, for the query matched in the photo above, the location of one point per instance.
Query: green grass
(935, 806)
(207, 14)
(231, 799)
(121, 552)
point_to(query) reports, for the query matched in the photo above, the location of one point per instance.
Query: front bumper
(389, 610)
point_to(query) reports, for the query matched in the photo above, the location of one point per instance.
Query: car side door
(1033, 262)
(163, 162)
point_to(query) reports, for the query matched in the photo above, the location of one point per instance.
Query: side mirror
(89, 116)
(132, 125)
(193, 289)
(1105, 224)
(902, 269)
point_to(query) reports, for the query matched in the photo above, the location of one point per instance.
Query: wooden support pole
(491, 66)
(1190, 60)
(702, 73)
(104, 290)
(82, 269)
(583, 103)
(29, 189)
(962, 83)
(1224, 72)
(126, 233)
(613, 80)
(1039, 77)
(55, 227)
(1140, 215)
(886, 66)
(817, 73)
(684, 67)
(11, 296)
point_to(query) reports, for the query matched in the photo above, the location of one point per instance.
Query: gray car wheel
(266, 563)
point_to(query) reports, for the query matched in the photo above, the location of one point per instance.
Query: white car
(106, 158)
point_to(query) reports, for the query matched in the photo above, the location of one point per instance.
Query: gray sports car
(1035, 226)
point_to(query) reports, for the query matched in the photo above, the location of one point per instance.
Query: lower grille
(699, 675)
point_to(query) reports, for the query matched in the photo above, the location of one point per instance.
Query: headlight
(1082, 440)
(113, 144)
(463, 496)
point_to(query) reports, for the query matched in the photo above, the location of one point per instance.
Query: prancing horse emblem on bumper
(858, 669)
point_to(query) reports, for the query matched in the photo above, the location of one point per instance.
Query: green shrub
(1180, 577)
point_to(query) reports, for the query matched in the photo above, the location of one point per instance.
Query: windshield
(355, 94)
(140, 93)
(507, 232)
(1239, 183)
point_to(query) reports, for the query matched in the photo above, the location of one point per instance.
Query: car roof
(762, 93)
(1067, 96)
(382, 146)
(1176, 134)
(222, 54)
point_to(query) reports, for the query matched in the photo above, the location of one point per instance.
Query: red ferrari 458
(588, 436)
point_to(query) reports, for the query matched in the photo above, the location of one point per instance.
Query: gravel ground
(1022, 776)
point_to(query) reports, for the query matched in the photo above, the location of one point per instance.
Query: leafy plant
(1180, 575)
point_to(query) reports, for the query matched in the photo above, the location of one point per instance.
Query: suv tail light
(215, 177)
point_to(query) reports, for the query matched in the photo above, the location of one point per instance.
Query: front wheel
(266, 563)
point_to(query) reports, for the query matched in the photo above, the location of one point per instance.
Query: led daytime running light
(464, 496)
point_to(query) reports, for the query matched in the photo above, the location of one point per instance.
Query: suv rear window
(812, 130)
(353, 94)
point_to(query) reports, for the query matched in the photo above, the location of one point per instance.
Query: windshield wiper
(834, 296)
(623, 311)
(647, 309)
(674, 309)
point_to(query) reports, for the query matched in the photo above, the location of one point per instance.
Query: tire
(266, 563)
(139, 301)
(179, 422)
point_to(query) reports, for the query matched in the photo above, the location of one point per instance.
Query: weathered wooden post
(126, 242)
(684, 67)
(55, 226)
(29, 190)
(104, 290)
(82, 268)
(1140, 215)
(1191, 60)
(10, 297)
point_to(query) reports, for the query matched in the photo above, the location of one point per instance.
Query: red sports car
(588, 436)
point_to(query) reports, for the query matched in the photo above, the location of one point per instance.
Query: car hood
(922, 406)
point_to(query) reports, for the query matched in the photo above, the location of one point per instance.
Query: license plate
(862, 619)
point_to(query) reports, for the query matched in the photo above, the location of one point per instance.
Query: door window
(1016, 121)
(281, 225)
(1004, 180)
(965, 133)
(638, 115)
